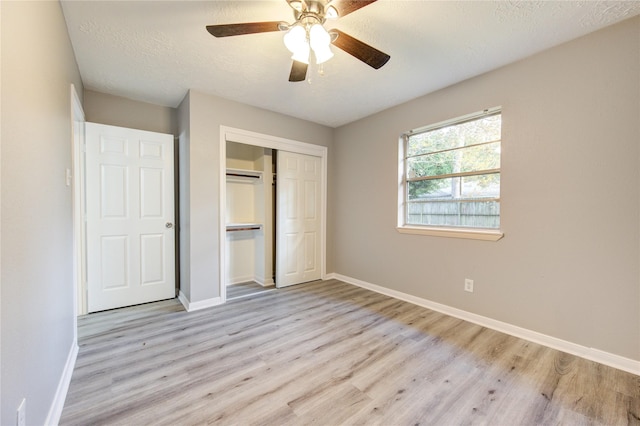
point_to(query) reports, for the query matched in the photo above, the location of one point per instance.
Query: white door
(130, 223)
(298, 224)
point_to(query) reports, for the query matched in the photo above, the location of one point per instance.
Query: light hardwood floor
(237, 291)
(329, 353)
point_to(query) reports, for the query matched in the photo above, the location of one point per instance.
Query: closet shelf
(231, 227)
(241, 175)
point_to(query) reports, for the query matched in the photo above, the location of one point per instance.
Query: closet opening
(250, 214)
(272, 213)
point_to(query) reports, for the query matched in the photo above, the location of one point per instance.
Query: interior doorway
(255, 223)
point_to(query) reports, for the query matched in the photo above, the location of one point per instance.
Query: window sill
(471, 234)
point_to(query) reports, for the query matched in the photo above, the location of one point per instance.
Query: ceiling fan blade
(226, 30)
(298, 71)
(345, 7)
(367, 54)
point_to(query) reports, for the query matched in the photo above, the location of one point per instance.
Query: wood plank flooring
(329, 353)
(237, 291)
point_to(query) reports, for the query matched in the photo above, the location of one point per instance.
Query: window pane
(429, 189)
(481, 186)
(474, 214)
(480, 157)
(485, 129)
(435, 193)
(455, 188)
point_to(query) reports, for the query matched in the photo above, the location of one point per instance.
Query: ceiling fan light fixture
(323, 55)
(302, 54)
(296, 41)
(295, 38)
(307, 33)
(319, 36)
(320, 41)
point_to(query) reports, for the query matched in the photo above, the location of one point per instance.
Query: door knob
(169, 225)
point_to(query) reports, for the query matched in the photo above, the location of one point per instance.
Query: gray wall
(568, 265)
(118, 111)
(37, 309)
(199, 177)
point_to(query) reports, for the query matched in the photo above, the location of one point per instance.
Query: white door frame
(79, 258)
(230, 134)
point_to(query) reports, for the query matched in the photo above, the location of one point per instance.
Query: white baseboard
(240, 280)
(266, 283)
(201, 304)
(592, 354)
(55, 411)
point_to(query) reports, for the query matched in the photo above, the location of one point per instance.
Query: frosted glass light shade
(302, 54)
(296, 41)
(294, 38)
(319, 37)
(323, 55)
(300, 43)
(320, 41)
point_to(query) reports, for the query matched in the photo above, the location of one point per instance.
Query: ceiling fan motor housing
(313, 13)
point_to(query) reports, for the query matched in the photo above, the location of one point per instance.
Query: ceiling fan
(307, 34)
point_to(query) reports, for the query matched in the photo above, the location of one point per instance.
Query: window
(450, 176)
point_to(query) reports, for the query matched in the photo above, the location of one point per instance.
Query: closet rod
(243, 175)
(248, 228)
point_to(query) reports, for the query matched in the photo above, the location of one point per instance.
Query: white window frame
(438, 231)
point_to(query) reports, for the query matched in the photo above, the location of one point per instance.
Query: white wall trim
(79, 249)
(242, 279)
(55, 411)
(592, 354)
(201, 304)
(470, 234)
(274, 142)
(269, 282)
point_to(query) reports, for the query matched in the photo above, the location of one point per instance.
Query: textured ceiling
(155, 51)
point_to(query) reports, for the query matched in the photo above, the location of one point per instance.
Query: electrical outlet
(21, 416)
(468, 285)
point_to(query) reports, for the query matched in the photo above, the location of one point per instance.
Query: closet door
(298, 219)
